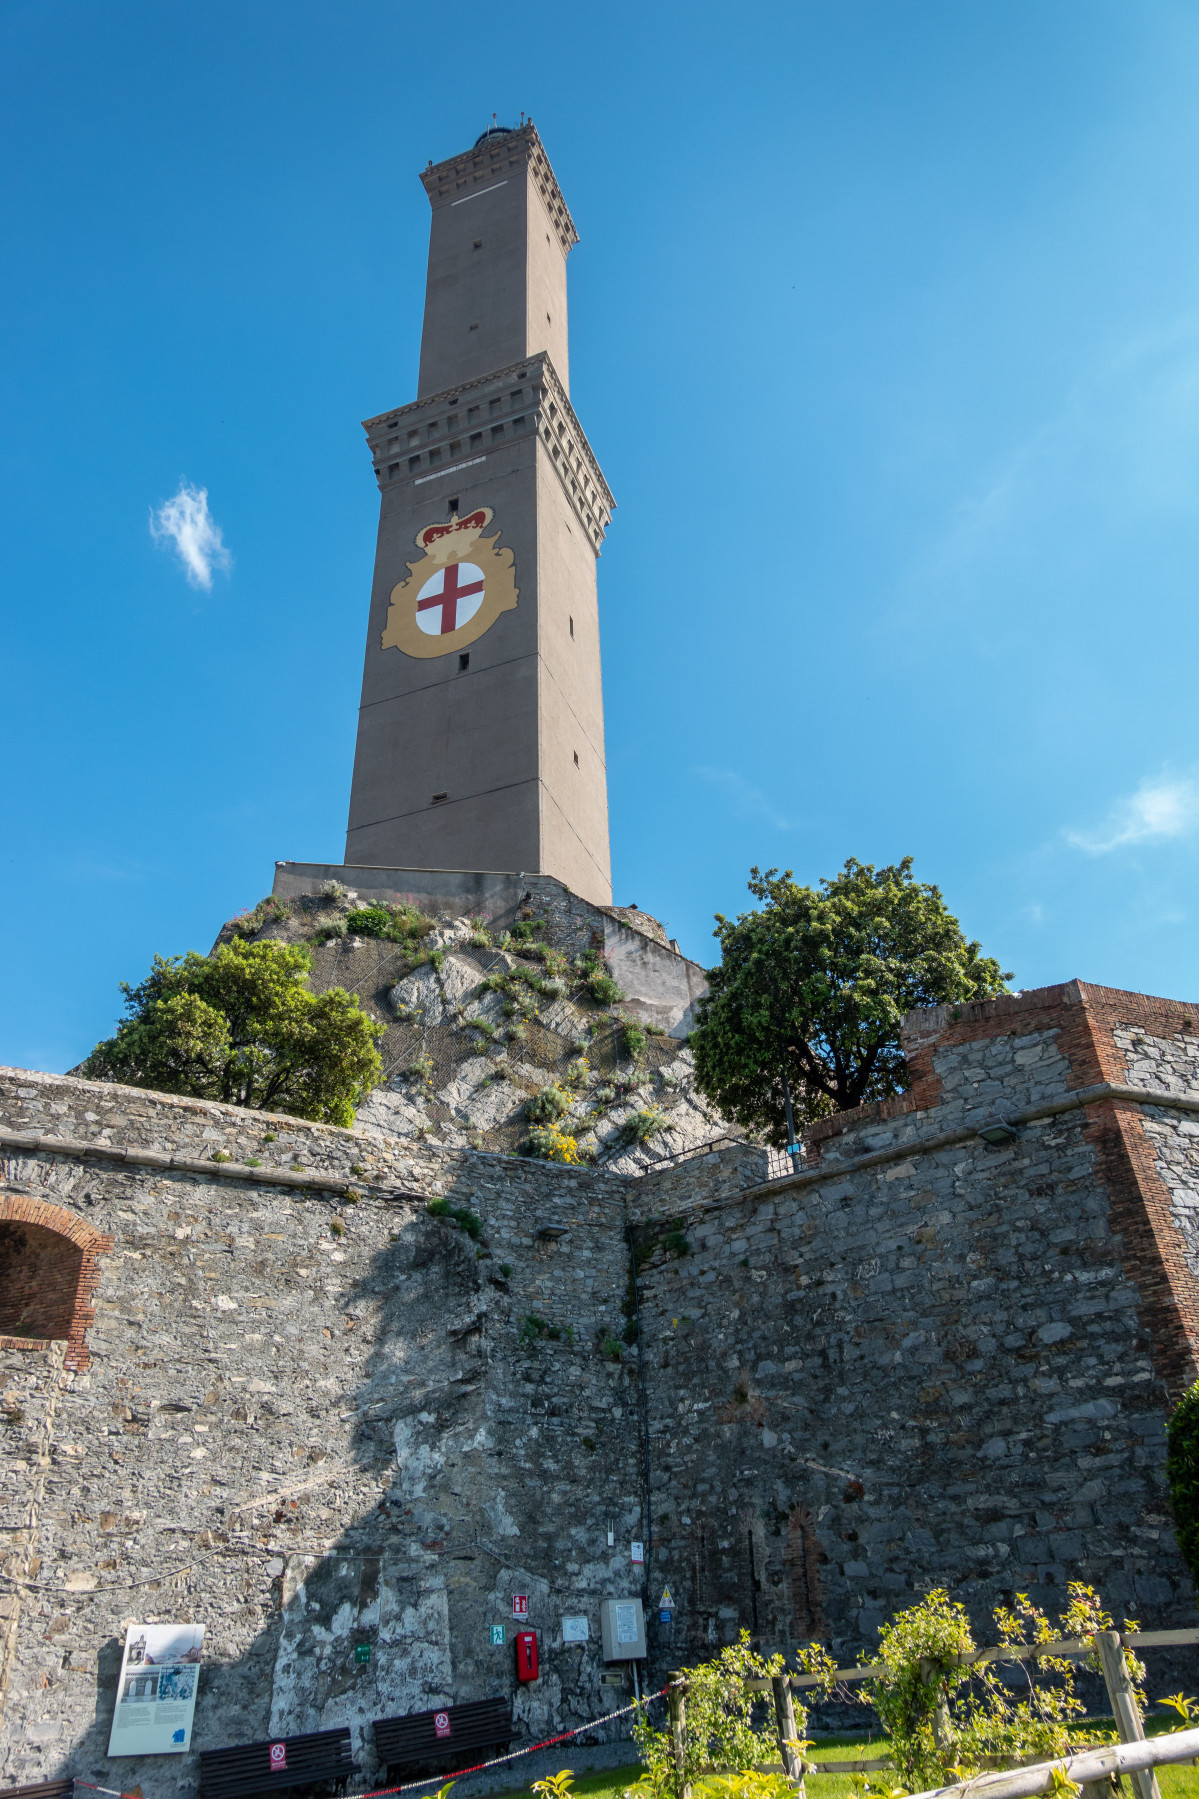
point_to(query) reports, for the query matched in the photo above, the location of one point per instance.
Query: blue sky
(885, 329)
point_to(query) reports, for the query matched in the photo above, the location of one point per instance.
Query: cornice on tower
(474, 168)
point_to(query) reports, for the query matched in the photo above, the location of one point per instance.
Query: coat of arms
(454, 592)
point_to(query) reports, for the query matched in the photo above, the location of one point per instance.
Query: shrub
(401, 923)
(602, 988)
(334, 927)
(632, 1039)
(421, 1069)
(482, 1025)
(462, 1216)
(270, 910)
(718, 1730)
(550, 1144)
(332, 890)
(547, 1105)
(240, 1026)
(945, 1720)
(611, 1348)
(640, 1126)
(533, 1329)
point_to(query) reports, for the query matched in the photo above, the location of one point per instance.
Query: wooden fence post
(784, 1717)
(676, 1699)
(932, 1676)
(1125, 1710)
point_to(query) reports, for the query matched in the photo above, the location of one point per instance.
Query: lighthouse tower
(481, 729)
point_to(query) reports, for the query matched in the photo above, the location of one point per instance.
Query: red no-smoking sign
(278, 1755)
(441, 1723)
(520, 1605)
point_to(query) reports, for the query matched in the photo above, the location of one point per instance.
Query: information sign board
(156, 1690)
(574, 1630)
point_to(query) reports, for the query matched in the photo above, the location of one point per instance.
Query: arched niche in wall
(48, 1273)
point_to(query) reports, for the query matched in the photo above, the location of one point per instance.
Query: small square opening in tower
(464, 660)
(452, 505)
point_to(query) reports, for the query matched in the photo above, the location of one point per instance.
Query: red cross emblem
(450, 598)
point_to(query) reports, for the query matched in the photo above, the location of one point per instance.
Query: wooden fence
(1108, 1645)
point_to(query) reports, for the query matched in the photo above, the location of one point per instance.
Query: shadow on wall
(392, 1616)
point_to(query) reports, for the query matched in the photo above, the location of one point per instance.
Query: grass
(1180, 1781)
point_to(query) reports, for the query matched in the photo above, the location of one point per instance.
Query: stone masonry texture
(313, 1421)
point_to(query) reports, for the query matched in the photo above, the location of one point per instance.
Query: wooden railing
(1107, 1645)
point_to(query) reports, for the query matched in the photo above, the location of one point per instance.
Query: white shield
(449, 598)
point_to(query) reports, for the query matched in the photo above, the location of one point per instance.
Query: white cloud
(189, 525)
(1163, 807)
(746, 799)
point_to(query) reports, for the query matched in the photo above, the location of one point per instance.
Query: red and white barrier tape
(459, 1773)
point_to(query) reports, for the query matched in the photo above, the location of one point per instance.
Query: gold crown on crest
(446, 541)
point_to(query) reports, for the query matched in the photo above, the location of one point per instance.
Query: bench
(320, 1758)
(46, 1789)
(413, 1744)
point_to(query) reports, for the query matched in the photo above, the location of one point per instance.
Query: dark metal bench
(321, 1758)
(413, 1745)
(46, 1789)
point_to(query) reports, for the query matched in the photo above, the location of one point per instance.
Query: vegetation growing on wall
(1182, 1474)
(817, 983)
(241, 1026)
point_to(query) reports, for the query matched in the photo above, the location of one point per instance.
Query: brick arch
(49, 1268)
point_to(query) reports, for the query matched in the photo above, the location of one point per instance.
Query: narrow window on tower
(439, 798)
(464, 661)
(572, 627)
(576, 758)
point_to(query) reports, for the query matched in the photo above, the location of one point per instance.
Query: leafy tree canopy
(241, 1026)
(817, 982)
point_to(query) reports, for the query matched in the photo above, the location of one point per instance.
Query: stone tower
(481, 730)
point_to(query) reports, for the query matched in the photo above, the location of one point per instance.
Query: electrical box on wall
(622, 1629)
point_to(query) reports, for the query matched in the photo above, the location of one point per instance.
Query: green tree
(817, 982)
(241, 1026)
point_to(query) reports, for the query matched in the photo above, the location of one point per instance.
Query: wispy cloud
(1117, 452)
(746, 800)
(1163, 807)
(186, 522)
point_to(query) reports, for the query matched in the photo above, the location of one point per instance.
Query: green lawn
(1178, 1782)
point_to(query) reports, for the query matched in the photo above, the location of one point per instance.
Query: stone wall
(314, 1419)
(662, 986)
(310, 1424)
(946, 1365)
